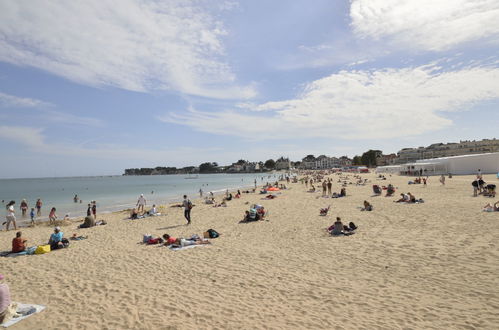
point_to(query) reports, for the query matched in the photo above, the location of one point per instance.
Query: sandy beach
(425, 266)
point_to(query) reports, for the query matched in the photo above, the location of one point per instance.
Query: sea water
(114, 193)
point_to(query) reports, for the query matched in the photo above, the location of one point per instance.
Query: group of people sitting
(56, 241)
(418, 180)
(390, 190)
(338, 228)
(408, 198)
(134, 213)
(481, 188)
(255, 213)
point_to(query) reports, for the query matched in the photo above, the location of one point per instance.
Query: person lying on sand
(194, 240)
(223, 204)
(491, 208)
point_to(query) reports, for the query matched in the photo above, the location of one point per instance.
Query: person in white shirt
(10, 216)
(141, 203)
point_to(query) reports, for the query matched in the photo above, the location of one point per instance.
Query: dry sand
(428, 266)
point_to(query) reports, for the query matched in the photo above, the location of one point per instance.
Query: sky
(93, 87)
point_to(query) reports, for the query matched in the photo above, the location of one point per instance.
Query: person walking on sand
(10, 216)
(38, 205)
(442, 179)
(187, 209)
(329, 187)
(141, 203)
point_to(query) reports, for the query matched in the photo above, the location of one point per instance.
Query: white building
(458, 165)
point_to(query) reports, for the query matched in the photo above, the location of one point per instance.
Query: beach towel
(26, 310)
(178, 248)
(10, 254)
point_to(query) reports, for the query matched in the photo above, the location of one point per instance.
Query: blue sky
(93, 87)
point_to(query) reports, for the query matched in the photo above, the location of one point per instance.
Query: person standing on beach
(329, 187)
(24, 207)
(479, 174)
(32, 216)
(187, 209)
(39, 207)
(94, 209)
(10, 216)
(89, 210)
(324, 188)
(442, 179)
(200, 192)
(141, 203)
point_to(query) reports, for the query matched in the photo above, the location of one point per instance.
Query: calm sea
(114, 193)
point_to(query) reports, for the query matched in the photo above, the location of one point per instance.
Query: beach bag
(212, 233)
(65, 242)
(42, 249)
(189, 204)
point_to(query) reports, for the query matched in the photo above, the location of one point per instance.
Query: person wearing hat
(55, 240)
(141, 202)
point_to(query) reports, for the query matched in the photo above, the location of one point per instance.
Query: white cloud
(357, 105)
(7, 100)
(131, 44)
(427, 24)
(44, 110)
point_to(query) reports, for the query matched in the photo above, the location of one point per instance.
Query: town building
(437, 150)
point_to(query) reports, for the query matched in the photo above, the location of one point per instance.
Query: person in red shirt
(19, 243)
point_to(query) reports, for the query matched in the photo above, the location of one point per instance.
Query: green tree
(356, 160)
(270, 164)
(368, 158)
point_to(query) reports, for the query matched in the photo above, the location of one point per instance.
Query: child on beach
(32, 216)
(52, 216)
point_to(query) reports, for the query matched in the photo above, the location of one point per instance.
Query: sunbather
(153, 211)
(376, 189)
(339, 229)
(323, 212)
(404, 198)
(134, 214)
(367, 206)
(57, 241)
(491, 208)
(390, 190)
(194, 240)
(18, 243)
(88, 222)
